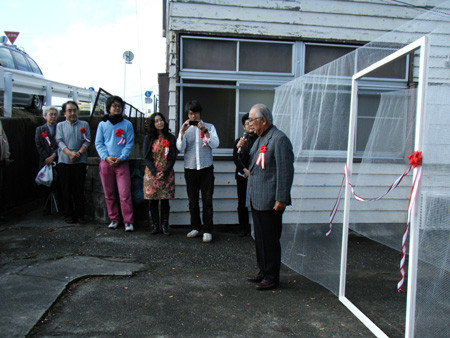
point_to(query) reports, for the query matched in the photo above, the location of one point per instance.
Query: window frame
(270, 81)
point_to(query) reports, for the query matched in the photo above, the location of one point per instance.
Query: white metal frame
(422, 45)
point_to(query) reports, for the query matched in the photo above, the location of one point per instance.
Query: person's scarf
(114, 119)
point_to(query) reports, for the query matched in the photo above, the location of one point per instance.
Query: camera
(193, 123)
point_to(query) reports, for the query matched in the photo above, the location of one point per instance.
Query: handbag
(45, 176)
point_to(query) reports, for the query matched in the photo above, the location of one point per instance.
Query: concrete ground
(86, 280)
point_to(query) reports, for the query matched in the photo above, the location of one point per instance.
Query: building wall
(337, 21)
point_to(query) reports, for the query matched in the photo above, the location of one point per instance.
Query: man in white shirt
(196, 140)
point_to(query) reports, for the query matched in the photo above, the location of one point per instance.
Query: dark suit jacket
(265, 186)
(42, 146)
(171, 156)
(242, 160)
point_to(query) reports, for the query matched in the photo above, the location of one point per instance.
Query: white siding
(309, 20)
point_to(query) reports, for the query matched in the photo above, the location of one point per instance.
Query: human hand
(111, 161)
(49, 160)
(159, 175)
(241, 143)
(279, 206)
(246, 172)
(184, 127)
(73, 156)
(201, 126)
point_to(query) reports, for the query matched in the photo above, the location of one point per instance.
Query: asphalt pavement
(86, 280)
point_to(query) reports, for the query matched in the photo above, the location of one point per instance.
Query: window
(34, 66)
(218, 106)
(265, 57)
(209, 54)
(21, 62)
(6, 58)
(228, 76)
(318, 55)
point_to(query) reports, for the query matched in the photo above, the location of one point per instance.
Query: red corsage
(165, 144)
(119, 133)
(261, 160)
(83, 133)
(45, 136)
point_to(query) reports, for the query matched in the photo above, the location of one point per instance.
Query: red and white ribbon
(202, 136)
(261, 160)
(45, 136)
(83, 134)
(412, 201)
(119, 133)
(165, 144)
(414, 160)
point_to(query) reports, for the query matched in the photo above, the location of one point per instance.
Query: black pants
(241, 184)
(72, 177)
(196, 181)
(268, 227)
(55, 188)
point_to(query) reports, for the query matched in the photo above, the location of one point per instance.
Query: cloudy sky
(81, 42)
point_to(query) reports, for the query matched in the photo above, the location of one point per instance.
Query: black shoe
(69, 220)
(82, 220)
(255, 279)
(165, 227)
(154, 229)
(267, 285)
(243, 233)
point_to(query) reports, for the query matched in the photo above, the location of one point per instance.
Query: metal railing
(13, 81)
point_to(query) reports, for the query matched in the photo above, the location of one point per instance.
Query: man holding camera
(196, 140)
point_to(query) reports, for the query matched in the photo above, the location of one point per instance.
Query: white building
(230, 54)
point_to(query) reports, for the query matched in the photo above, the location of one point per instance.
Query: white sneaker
(207, 237)
(113, 225)
(129, 227)
(192, 234)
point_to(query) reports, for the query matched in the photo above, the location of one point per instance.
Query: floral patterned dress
(159, 189)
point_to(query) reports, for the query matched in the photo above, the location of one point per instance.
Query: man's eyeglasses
(250, 120)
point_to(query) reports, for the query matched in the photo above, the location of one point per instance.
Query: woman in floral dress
(160, 153)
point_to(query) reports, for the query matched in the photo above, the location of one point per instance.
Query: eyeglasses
(250, 120)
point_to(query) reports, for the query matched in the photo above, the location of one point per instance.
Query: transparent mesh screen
(314, 109)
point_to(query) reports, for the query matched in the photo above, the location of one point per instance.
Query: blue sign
(92, 88)
(148, 93)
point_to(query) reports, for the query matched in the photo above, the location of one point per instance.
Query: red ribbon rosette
(261, 160)
(119, 133)
(45, 136)
(165, 144)
(83, 133)
(415, 158)
(202, 136)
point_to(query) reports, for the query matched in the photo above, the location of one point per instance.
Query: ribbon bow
(165, 144)
(83, 133)
(261, 160)
(202, 136)
(119, 133)
(45, 136)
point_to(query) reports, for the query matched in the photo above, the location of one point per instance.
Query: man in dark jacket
(269, 192)
(48, 152)
(241, 158)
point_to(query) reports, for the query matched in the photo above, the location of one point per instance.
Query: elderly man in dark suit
(269, 191)
(48, 151)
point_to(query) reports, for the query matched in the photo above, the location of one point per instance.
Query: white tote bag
(45, 176)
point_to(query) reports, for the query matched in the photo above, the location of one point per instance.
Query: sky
(81, 42)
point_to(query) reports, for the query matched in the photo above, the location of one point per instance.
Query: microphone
(245, 135)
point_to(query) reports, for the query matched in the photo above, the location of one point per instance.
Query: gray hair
(47, 109)
(264, 112)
